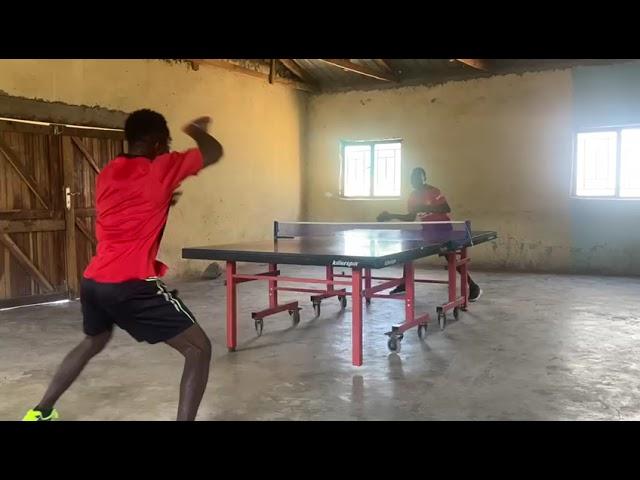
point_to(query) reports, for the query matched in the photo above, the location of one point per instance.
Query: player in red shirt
(122, 286)
(427, 204)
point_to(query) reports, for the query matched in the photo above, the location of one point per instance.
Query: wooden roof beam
(295, 68)
(254, 73)
(478, 64)
(382, 63)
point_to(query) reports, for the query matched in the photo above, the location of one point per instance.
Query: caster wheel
(295, 316)
(456, 313)
(316, 308)
(422, 331)
(343, 301)
(259, 324)
(442, 320)
(394, 344)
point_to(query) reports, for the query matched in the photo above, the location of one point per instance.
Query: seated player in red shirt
(427, 204)
(122, 286)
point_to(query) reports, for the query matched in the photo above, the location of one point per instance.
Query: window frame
(574, 164)
(372, 144)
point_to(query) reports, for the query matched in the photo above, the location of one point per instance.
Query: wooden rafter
(24, 175)
(295, 68)
(383, 64)
(478, 64)
(23, 259)
(359, 69)
(247, 71)
(272, 70)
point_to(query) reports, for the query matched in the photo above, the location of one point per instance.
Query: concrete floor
(536, 347)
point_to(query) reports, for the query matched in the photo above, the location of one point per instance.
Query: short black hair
(145, 126)
(419, 169)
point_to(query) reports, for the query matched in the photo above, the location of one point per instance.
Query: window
(371, 169)
(608, 163)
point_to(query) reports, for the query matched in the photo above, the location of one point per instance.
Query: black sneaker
(398, 289)
(475, 292)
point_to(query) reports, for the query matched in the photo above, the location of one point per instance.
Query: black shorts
(146, 309)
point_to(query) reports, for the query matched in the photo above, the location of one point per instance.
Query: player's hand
(175, 197)
(384, 217)
(201, 122)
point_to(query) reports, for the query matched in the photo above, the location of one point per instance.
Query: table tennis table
(360, 248)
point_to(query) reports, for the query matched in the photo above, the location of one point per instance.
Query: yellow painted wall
(260, 126)
(499, 148)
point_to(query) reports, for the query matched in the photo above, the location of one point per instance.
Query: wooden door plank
(85, 231)
(88, 157)
(70, 218)
(26, 226)
(24, 260)
(14, 161)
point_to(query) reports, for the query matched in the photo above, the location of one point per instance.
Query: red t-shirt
(132, 206)
(430, 196)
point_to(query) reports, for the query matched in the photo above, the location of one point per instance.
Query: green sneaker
(36, 416)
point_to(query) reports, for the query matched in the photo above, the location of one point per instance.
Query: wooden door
(32, 225)
(84, 153)
(47, 207)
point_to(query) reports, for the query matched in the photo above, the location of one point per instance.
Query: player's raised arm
(210, 148)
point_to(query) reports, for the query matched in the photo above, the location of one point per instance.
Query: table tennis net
(432, 232)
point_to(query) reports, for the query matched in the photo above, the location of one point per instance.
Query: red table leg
(464, 279)
(273, 287)
(367, 284)
(410, 320)
(455, 302)
(329, 292)
(356, 316)
(409, 296)
(453, 273)
(231, 307)
(329, 276)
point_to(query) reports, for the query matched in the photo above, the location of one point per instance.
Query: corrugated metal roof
(411, 67)
(330, 77)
